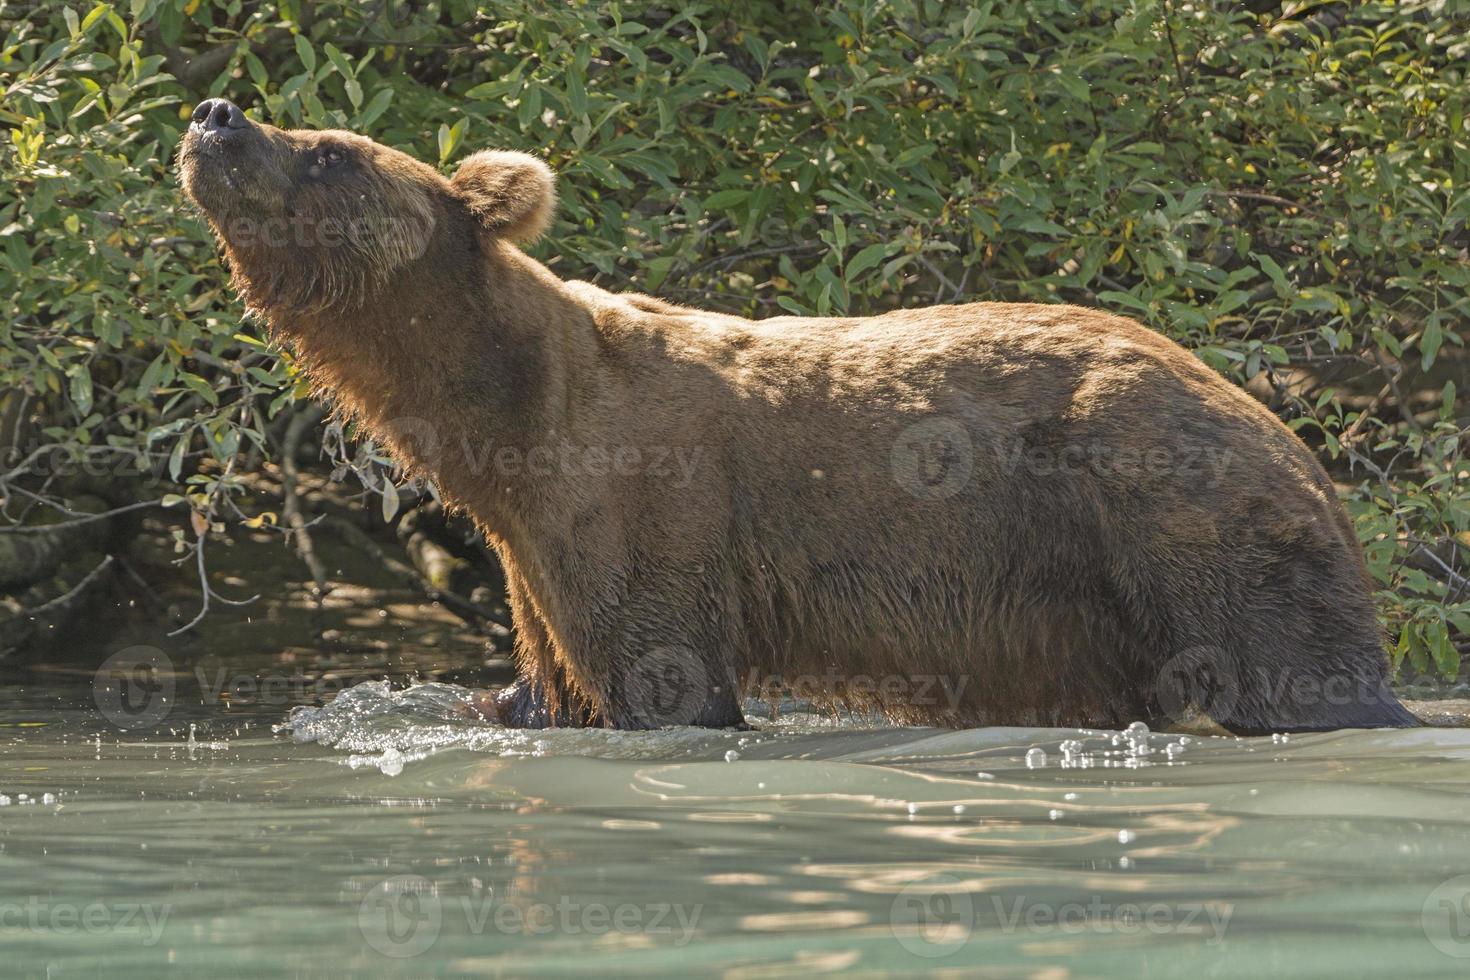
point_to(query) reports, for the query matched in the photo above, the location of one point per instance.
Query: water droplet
(1137, 728)
(1035, 759)
(1125, 836)
(959, 808)
(732, 756)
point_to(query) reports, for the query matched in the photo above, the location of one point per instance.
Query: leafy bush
(1284, 188)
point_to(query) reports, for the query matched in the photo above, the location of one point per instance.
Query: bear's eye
(328, 158)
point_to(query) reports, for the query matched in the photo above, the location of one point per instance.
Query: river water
(384, 834)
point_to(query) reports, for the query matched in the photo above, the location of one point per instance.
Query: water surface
(386, 835)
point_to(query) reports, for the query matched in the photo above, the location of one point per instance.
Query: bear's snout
(218, 117)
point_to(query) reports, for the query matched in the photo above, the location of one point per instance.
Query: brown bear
(977, 514)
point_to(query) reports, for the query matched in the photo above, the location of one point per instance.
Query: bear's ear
(513, 194)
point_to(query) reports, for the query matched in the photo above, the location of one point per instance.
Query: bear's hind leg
(1288, 643)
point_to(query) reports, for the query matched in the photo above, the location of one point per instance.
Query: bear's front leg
(662, 686)
(660, 682)
(524, 704)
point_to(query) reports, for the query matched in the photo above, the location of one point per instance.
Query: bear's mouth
(228, 177)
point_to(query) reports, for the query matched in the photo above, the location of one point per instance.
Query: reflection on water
(386, 835)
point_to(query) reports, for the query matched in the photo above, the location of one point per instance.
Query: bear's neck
(461, 365)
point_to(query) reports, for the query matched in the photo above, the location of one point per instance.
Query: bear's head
(320, 221)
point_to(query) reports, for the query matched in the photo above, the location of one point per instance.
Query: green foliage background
(1283, 187)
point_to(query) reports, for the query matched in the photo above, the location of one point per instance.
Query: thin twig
(461, 606)
(70, 594)
(207, 590)
(1351, 435)
(1405, 412)
(1174, 48)
(1282, 202)
(1459, 580)
(84, 518)
(201, 536)
(298, 527)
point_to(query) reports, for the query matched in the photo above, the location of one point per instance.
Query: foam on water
(390, 729)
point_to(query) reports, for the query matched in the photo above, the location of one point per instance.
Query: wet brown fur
(857, 507)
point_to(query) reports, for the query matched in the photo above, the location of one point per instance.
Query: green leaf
(376, 106)
(449, 137)
(176, 457)
(339, 60)
(723, 200)
(1429, 342)
(866, 259)
(81, 389)
(304, 54)
(1269, 266)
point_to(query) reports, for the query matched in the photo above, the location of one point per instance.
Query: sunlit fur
(294, 242)
(809, 539)
(513, 195)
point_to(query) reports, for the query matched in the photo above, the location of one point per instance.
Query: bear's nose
(219, 116)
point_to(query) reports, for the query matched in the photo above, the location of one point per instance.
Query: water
(386, 835)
